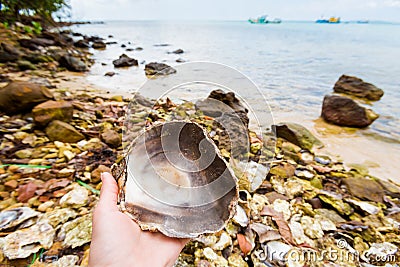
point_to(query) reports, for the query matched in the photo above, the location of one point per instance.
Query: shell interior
(174, 180)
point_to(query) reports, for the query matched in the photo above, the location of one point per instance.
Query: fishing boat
(264, 20)
(332, 20)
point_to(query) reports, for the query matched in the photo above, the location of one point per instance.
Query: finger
(109, 192)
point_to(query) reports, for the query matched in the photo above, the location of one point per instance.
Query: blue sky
(388, 10)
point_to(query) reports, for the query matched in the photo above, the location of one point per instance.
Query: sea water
(294, 64)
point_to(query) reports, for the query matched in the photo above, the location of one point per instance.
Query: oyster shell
(174, 180)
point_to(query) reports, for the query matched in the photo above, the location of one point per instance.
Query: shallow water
(294, 64)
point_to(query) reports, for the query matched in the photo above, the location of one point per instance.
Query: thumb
(109, 192)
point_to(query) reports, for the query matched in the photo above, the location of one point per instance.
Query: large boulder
(18, 97)
(157, 69)
(72, 63)
(52, 110)
(297, 134)
(125, 61)
(354, 86)
(63, 132)
(345, 111)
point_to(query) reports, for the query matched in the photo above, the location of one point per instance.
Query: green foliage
(6, 25)
(43, 8)
(37, 28)
(28, 29)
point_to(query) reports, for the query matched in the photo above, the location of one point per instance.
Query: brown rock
(344, 111)
(365, 189)
(22, 96)
(158, 69)
(125, 61)
(111, 138)
(272, 196)
(26, 192)
(63, 132)
(356, 87)
(11, 184)
(219, 103)
(96, 173)
(52, 110)
(297, 134)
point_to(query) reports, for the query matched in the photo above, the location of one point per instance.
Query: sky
(386, 10)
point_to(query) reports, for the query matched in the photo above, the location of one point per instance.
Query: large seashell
(174, 180)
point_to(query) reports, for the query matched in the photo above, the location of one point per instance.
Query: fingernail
(102, 176)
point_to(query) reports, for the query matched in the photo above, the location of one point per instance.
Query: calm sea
(294, 63)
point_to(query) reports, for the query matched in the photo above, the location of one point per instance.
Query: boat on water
(264, 20)
(332, 20)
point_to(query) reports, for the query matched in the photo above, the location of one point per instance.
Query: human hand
(118, 241)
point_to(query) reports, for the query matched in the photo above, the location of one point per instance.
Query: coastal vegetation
(31, 10)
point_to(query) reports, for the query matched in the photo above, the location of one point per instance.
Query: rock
(72, 63)
(297, 134)
(35, 43)
(95, 175)
(23, 153)
(25, 65)
(180, 60)
(344, 111)
(125, 61)
(99, 45)
(63, 132)
(82, 44)
(158, 69)
(26, 192)
(255, 174)
(118, 98)
(77, 197)
(390, 188)
(111, 138)
(77, 232)
(46, 205)
(52, 110)
(58, 216)
(18, 97)
(311, 227)
(11, 184)
(219, 103)
(365, 189)
(9, 53)
(94, 39)
(354, 86)
(13, 217)
(59, 39)
(22, 243)
(177, 51)
(64, 261)
(109, 74)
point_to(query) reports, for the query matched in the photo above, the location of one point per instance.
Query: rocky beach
(59, 133)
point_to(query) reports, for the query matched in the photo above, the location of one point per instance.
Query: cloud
(392, 3)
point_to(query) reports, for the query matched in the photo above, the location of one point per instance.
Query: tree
(43, 8)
